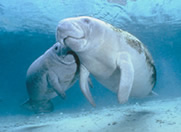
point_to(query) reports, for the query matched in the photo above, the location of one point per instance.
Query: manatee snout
(69, 30)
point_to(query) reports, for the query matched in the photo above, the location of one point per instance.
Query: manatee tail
(27, 105)
(43, 106)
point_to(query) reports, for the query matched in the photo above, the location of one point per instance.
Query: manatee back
(36, 82)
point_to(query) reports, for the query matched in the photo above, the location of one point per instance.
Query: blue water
(27, 30)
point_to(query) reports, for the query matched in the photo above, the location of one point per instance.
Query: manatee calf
(50, 75)
(116, 59)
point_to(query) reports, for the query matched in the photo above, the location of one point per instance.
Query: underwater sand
(151, 116)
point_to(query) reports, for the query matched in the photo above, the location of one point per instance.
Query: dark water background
(27, 30)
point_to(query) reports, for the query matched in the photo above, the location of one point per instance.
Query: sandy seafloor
(162, 115)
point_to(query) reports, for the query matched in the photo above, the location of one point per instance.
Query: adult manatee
(117, 59)
(50, 75)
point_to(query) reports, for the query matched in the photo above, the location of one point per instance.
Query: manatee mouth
(77, 44)
(67, 59)
(71, 38)
(64, 55)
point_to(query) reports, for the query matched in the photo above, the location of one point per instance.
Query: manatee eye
(56, 48)
(86, 20)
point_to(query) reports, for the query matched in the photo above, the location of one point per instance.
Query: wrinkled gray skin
(48, 76)
(117, 59)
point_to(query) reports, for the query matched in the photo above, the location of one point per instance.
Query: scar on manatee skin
(152, 67)
(135, 44)
(140, 48)
(115, 29)
(131, 41)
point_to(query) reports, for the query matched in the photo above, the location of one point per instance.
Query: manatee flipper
(84, 79)
(50, 94)
(152, 93)
(90, 83)
(27, 105)
(53, 81)
(126, 76)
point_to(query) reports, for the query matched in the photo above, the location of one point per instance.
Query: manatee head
(61, 53)
(79, 33)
